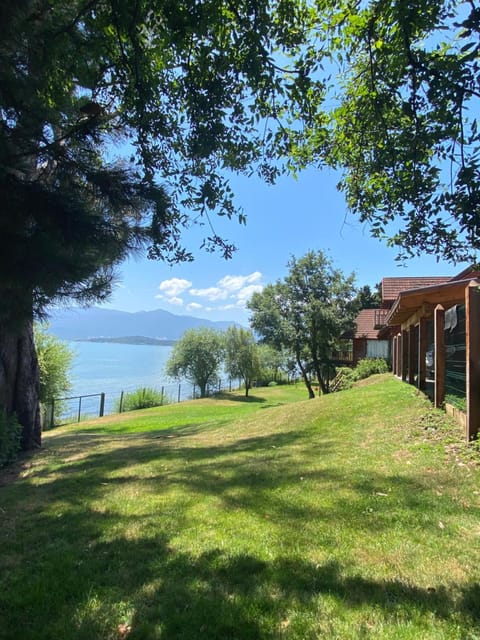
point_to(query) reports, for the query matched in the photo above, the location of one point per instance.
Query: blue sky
(289, 218)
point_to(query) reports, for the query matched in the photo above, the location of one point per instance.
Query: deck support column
(394, 355)
(472, 337)
(399, 355)
(404, 340)
(439, 355)
(422, 354)
(411, 354)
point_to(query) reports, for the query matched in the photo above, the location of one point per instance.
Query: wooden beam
(425, 311)
(404, 358)
(411, 355)
(422, 354)
(472, 337)
(399, 354)
(410, 301)
(394, 355)
(439, 355)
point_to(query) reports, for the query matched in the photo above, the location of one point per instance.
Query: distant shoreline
(141, 340)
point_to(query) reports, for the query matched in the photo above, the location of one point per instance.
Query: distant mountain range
(82, 324)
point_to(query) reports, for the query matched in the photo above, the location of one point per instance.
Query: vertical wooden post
(79, 408)
(102, 405)
(394, 355)
(404, 354)
(120, 408)
(411, 354)
(161, 399)
(179, 391)
(422, 354)
(439, 355)
(472, 337)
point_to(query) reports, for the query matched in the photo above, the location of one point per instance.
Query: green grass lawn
(355, 515)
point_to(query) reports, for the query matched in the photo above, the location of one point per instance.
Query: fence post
(52, 414)
(194, 392)
(102, 405)
(161, 397)
(179, 388)
(79, 408)
(120, 408)
(230, 385)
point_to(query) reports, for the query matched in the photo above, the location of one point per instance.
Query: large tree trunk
(19, 381)
(306, 379)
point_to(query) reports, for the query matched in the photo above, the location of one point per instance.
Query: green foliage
(55, 359)
(241, 355)
(306, 314)
(276, 365)
(366, 299)
(10, 435)
(190, 90)
(402, 119)
(197, 357)
(368, 367)
(344, 379)
(142, 398)
(459, 402)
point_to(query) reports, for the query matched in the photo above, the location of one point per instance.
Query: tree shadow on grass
(87, 585)
(250, 399)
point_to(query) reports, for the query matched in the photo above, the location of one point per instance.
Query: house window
(377, 349)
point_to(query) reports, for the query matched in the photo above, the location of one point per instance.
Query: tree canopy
(197, 356)
(307, 313)
(103, 101)
(241, 355)
(399, 118)
(120, 121)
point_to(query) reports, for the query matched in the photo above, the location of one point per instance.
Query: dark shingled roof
(365, 323)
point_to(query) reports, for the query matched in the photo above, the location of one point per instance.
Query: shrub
(459, 402)
(10, 432)
(142, 398)
(368, 367)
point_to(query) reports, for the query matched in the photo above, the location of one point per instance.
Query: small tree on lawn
(307, 313)
(197, 357)
(241, 355)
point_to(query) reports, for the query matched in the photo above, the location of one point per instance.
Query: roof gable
(365, 324)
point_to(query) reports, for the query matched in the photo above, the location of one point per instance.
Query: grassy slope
(351, 516)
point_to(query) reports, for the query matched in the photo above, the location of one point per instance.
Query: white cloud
(244, 295)
(193, 306)
(173, 287)
(211, 293)
(178, 302)
(234, 283)
(230, 293)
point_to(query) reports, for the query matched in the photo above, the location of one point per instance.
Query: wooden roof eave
(408, 302)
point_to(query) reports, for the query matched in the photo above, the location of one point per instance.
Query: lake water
(102, 367)
(110, 368)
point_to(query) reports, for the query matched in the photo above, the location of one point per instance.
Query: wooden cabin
(435, 342)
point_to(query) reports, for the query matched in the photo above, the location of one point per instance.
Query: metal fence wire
(455, 348)
(61, 411)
